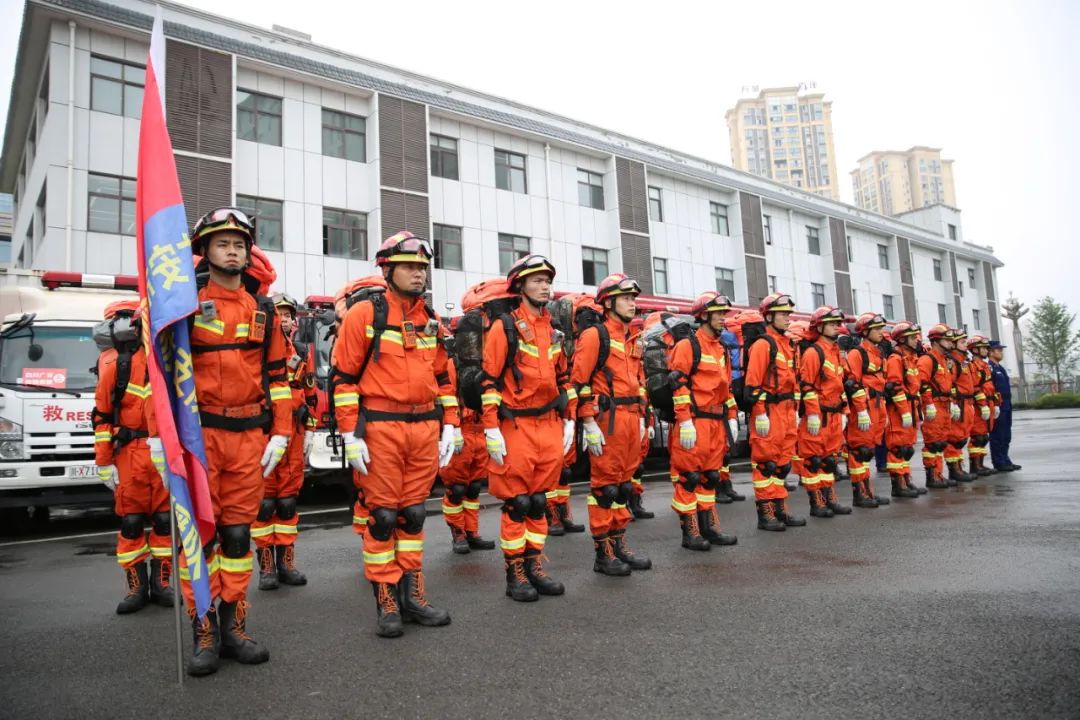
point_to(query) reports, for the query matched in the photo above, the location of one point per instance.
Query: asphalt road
(964, 604)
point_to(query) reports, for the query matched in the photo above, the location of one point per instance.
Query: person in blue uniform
(1001, 435)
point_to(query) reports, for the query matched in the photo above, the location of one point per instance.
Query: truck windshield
(53, 357)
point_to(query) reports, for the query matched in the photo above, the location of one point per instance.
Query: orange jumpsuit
(276, 522)
(237, 418)
(902, 383)
(528, 407)
(936, 388)
(396, 407)
(821, 382)
(774, 386)
(985, 396)
(615, 397)
(703, 396)
(139, 489)
(467, 469)
(960, 431)
(870, 380)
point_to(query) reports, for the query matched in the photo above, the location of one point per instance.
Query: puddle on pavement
(96, 548)
(7, 561)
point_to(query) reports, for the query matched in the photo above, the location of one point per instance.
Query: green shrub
(1056, 401)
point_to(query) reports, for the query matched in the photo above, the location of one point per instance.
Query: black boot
(621, 548)
(978, 464)
(478, 543)
(637, 509)
(818, 508)
(286, 565)
(138, 590)
(538, 578)
(518, 586)
(691, 533)
(833, 502)
(568, 519)
(870, 491)
(728, 490)
(932, 480)
(722, 497)
(204, 658)
(786, 517)
(458, 544)
(900, 488)
(388, 609)
(911, 484)
(709, 524)
(161, 589)
(606, 562)
(861, 498)
(555, 526)
(235, 642)
(766, 517)
(414, 603)
(957, 474)
(268, 579)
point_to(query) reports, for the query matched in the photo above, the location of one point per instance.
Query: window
(975, 319)
(952, 232)
(937, 270)
(971, 279)
(267, 214)
(817, 290)
(659, 272)
(444, 157)
(887, 306)
(511, 249)
(110, 205)
(766, 228)
(590, 189)
(343, 136)
(258, 118)
(594, 265)
(961, 289)
(718, 214)
(447, 248)
(772, 283)
(656, 204)
(116, 87)
(344, 234)
(941, 313)
(510, 171)
(813, 241)
(883, 256)
(725, 282)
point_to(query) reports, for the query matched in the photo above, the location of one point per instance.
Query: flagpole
(178, 594)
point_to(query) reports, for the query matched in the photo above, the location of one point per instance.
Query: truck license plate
(82, 472)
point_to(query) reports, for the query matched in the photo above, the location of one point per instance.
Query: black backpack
(469, 347)
(660, 341)
(752, 333)
(121, 333)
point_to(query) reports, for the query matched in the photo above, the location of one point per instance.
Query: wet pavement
(964, 603)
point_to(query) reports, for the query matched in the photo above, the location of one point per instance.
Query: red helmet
(976, 341)
(260, 269)
(905, 329)
(940, 331)
(403, 247)
(708, 302)
(527, 266)
(226, 218)
(826, 314)
(616, 284)
(777, 302)
(121, 307)
(869, 321)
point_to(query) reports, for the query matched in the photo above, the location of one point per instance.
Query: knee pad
(266, 509)
(160, 521)
(133, 526)
(473, 491)
(235, 540)
(767, 468)
(712, 480)
(517, 507)
(690, 480)
(565, 476)
(829, 464)
(537, 505)
(412, 518)
(626, 491)
(958, 444)
(783, 470)
(606, 495)
(908, 452)
(456, 493)
(382, 523)
(286, 507)
(813, 463)
(940, 446)
(980, 440)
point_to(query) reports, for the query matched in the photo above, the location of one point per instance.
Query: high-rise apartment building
(892, 182)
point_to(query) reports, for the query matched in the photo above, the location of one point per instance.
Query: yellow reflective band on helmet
(378, 558)
(408, 258)
(236, 565)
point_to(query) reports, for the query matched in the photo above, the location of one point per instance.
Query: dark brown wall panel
(401, 211)
(637, 260)
(988, 281)
(757, 280)
(911, 308)
(199, 99)
(633, 195)
(838, 240)
(903, 249)
(952, 270)
(843, 290)
(403, 144)
(995, 330)
(750, 213)
(204, 184)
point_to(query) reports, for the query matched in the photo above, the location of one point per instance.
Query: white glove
(813, 424)
(733, 426)
(864, 421)
(275, 450)
(930, 412)
(567, 436)
(446, 445)
(762, 425)
(592, 440)
(997, 411)
(356, 452)
(984, 412)
(459, 441)
(844, 421)
(309, 442)
(108, 475)
(496, 445)
(954, 411)
(157, 456)
(641, 429)
(905, 420)
(687, 434)
(652, 432)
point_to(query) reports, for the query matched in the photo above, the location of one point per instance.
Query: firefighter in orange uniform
(939, 408)
(360, 509)
(239, 363)
(986, 405)
(704, 419)
(274, 530)
(123, 461)
(866, 391)
(772, 384)
(610, 384)
(560, 518)
(637, 506)
(821, 433)
(970, 407)
(902, 398)
(393, 385)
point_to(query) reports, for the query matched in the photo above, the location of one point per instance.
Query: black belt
(826, 409)
(555, 405)
(383, 415)
(220, 422)
(124, 435)
(772, 399)
(608, 403)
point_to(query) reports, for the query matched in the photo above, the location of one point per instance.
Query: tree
(1051, 340)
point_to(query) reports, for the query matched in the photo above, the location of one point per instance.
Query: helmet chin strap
(535, 303)
(389, 275)
(233, 272)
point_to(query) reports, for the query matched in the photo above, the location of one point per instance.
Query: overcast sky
(995, 84)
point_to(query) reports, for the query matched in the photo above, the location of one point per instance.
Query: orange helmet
(826, 314)
(403, 247)
(869, 321)
(121, 307)
(708, 302)
(905, 329)
(616, 284)
(527, 266)
(777, 302)
(483, 292)
(800, 330)
(225, 218)
(940, 331)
